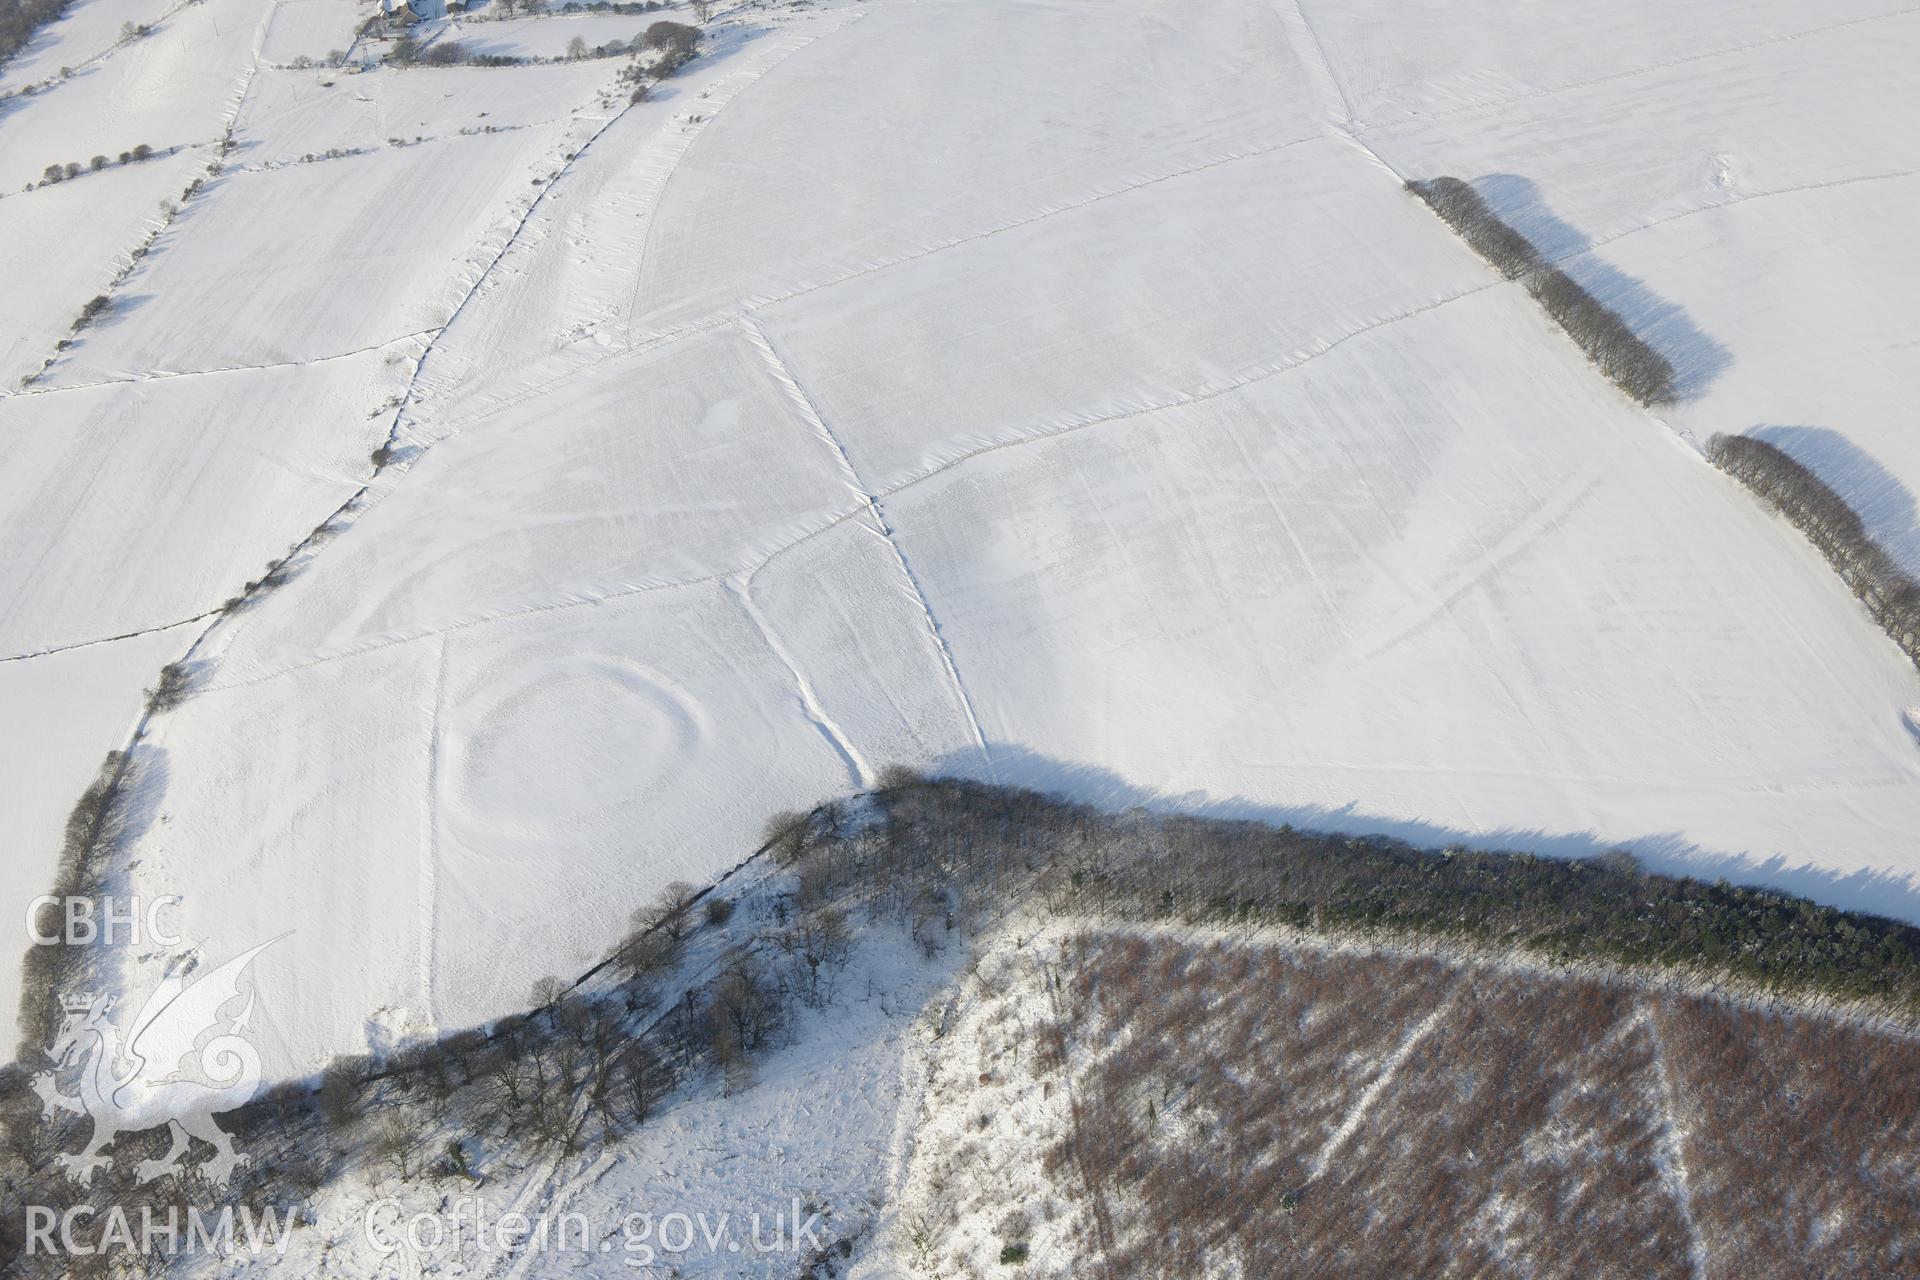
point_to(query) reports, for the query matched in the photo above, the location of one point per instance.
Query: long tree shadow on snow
(1696, 357)
(1885, 506)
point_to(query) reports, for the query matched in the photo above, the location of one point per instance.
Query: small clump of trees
(71, 169)
(94, 308)
(675, 43)
(1891, 594)
(445, 54)
(173, 688)
(1628, 360)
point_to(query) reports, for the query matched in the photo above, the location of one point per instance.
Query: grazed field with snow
(1056, 392)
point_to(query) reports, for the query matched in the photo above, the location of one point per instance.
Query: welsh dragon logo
(179, 1063)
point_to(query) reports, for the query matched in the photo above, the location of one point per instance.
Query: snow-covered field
(78, 235)
(292, 114)
(1057, 392)
(311, 29)
(240, 465)
(177, 86)
(89, 31)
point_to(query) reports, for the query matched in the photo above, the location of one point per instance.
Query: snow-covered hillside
(1036, 1074)
(1056, 392)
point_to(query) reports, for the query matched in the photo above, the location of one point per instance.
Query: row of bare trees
(94, 827)
(585, 1064)
(1609, 341)
(1467, 212)
(1623, 356)
(1889, 592)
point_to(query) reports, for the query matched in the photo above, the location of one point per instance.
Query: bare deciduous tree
(392, 1145)
(743, 1007)
(672, 915)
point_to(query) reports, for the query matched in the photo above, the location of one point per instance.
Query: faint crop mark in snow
(666, 162)
(664, 338)
(783, 374)
(356, 503)
(333, 523)
(1543, 518)
(1316, 60)
(667, 337)
(857, 765)
(1733, 199)
(833, 520)
(679, 333)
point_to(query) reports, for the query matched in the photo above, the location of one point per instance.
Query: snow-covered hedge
(1609, 341)
(1890, 593)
